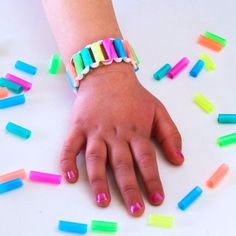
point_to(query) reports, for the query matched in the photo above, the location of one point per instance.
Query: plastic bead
(203, 103)
(55, 63)
(3, 92)
(27, 68)
(227, 118)
(209, 43)
(216, 38)
(190, 198)
(45, 177)
(25, 84)
(172, 73)
(227, 139)
(197, 68)
(103, 226)
(217, 176)
(72, 227)
(21, 174)
(12, 101)
(209, 64)
(18, 130)
(161, 73)
(10, 185)
(16, 88)
(161, 221)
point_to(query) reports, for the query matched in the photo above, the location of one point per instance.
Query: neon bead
(25, 84)
(227, 118)
(175, 70)
(161, 221)
(72, 227)
(209, 43)
(55, 63)
(27, 68)
(103, 226)
(10, 185)
(218, 175)
(16, 88)
(203, 103)
(227, 139)
(12, 101)
(162, 72)
(45, 177)
(197, 68)
(216, 38)
(190, 198)
(21, 174)
(209, 64)
(18, 130)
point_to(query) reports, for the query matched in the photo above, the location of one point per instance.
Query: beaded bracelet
(102, 52)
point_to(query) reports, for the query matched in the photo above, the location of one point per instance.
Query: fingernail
(70, 175)
(157, 198)
(101, 197)
(135, 207)
(180, 154)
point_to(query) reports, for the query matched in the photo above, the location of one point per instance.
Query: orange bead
(3, 92)
(13, 175)
(217, 176)
(209, 43)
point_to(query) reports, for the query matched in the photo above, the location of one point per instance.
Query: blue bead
(197, 68)
(120, 50)
(27, 68)
(10, 185)
(190, 198)
(72, 227)
(161, 73)
(86, 56)
(12, 101)
(227, 118)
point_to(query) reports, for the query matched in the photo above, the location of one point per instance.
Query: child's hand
(114, 118)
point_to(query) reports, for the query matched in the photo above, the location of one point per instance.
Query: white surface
(161, 31)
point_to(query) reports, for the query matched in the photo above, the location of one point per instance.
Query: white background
(161, 32)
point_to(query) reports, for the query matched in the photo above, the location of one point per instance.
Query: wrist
(111, 76)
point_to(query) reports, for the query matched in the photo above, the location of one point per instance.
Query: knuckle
(152, 181)
(146, 159)
(65, 162)
(97, 180)
(128, 189)
(122, 164)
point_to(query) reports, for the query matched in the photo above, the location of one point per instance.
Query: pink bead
(110, 51)
(25, 84)
(178, 68)
(45, 177)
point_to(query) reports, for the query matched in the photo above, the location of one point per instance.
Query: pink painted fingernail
(135, 207)
(70, 175)
(157, 198)
(180, 154)
(101, 197)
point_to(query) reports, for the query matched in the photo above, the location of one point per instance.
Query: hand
(114, 118)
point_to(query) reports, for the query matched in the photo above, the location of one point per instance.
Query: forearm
(76, 23)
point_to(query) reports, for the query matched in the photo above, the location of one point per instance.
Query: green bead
(78, 62)
(103, 226)
(227, 139)
(55, 64)
(215, 38)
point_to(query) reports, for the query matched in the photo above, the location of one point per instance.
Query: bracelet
(102, 52)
